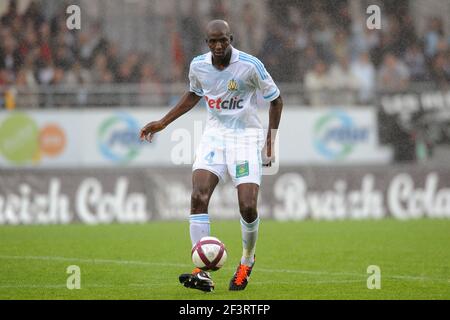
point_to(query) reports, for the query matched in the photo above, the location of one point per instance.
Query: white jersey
(230, 93)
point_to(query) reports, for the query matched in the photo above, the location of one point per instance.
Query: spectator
(91, 43)
(125, 74)
(317, 83)
(379, 52)
(365, 73)
(442, 46)
(323, 35)
(150, 86)
(9, 54)
(272, 49)
(415, 61)
(343, 82)
(26, 76)
(99, 68)
(5, 77)
(440, 70)
(27, 84)
(129, 69)
(393, 75)
(134, 62)
(76, 78)
(149, 74)
(45, 48)
(251, 31)
(46, 72)
(63, 58)
(113, 58)
(302, 39)
(28, 43)
(307, 60)
(10, 14)
(432, 37)
(289, 61)
(340, 45)
(58, 76)
(34, 15)
(407, 33)
(77, 75)
(193, 36)
(363, 39)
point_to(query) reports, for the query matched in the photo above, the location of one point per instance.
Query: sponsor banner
(323, 136)
(331, 136)
(62, 197)
(104, 196)
(407, 105)
(425, 115)
(401, 192)
(95, 138)
(110, 138)
(43, 138)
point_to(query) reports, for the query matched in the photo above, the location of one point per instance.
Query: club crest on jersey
(232, 85)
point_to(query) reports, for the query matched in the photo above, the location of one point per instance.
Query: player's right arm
(186, 103)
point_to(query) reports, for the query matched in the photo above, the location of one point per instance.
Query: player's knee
(248, 212)
(199, 198)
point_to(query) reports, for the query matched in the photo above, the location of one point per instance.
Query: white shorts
(239, 155)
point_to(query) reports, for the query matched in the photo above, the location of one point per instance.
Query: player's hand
(266, 156)
(150, 129)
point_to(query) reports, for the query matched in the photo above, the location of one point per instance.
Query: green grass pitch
(295, 260)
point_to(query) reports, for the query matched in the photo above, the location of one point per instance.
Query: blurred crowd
(318, 46)
(35, 50)
(324, 48)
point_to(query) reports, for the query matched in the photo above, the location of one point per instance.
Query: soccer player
(232, 141)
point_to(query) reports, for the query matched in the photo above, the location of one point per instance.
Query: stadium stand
(44, 60)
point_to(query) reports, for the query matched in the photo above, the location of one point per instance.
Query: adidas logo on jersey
(230, 104)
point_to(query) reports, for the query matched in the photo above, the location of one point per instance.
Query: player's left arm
(276, 107)
(270, 92)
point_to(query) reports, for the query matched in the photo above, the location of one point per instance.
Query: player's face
(219, 43)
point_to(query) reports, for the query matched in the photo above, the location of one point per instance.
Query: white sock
(198, 226)
(249, 237)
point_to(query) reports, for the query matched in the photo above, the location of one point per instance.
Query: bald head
(218, 26)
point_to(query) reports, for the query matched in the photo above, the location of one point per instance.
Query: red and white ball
(209, 254)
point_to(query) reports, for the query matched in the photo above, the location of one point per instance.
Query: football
(209, 254)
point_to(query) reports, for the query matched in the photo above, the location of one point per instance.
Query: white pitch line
(83, 286)
(290, 283)
(152, 285)
(32, 286)
(95, 261)
(180, 265)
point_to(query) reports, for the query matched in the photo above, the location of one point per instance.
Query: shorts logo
(242, 169)
(232, 85)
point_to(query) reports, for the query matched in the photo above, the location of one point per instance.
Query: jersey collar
(234, 56)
